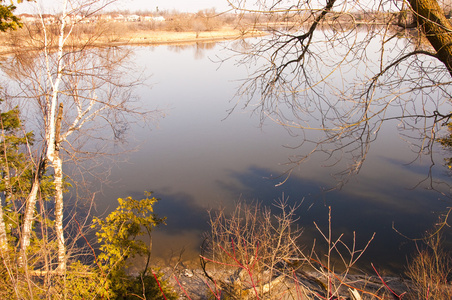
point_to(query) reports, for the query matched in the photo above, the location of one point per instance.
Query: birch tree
(72, 85)
(333, 72)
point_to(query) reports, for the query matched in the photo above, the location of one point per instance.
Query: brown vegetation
(181, 28)
(430, 270)
(255, 253)
(260, 257)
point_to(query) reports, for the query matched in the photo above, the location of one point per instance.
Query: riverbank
(15, 41)
(165, 37)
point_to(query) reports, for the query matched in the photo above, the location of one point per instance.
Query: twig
(182, 288)
(382, 280)
(158, 283)
(92, 249)
(217, 296)
(344, 283)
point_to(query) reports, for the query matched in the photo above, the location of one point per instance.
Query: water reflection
(376, 210)
(198, 47)
(182, 212)
(198, 159)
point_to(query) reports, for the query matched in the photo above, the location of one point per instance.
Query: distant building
(133, 18)
(74, 18)
(118, 18)
(152, 19)
(158, 19)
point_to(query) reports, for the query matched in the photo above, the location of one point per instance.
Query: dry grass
(430, 270)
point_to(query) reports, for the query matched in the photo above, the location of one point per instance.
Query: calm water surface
(199, 157)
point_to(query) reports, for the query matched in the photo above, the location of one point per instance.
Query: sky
(51, 6)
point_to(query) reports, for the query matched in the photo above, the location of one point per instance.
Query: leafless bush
(254, 253)
(179, 23)
(209, 19)
(205, 20)
(255, 242)
(430, 270)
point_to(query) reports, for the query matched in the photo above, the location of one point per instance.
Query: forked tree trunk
(437, 28)
(53, 127)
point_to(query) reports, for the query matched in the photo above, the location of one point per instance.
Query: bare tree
(341, 69)
(74, 86)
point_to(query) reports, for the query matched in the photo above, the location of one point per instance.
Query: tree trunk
(58, 181)
(28, 218)
(57, 164)
(53, 140)
(3, 238)
(437, 28)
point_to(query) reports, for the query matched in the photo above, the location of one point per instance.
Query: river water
(200, 157)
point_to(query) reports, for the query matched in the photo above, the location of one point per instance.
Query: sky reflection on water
(200, 158)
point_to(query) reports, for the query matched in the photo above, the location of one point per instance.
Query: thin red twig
(382, 280)
(218, 262)
(217, 296)
(92, 249)
(158, 283)
(185, 292)
(342, 282)
(247, 267)
(297, 284)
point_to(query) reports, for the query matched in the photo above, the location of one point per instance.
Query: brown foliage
(430, 270)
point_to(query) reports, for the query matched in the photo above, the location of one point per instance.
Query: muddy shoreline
(193, 282)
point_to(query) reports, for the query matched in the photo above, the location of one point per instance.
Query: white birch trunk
(53, 141)
(58, 181)
(3, 238)
(57, 164)
(28, 219)
(7, 193)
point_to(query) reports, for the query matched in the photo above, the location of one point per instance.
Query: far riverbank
(13, 42)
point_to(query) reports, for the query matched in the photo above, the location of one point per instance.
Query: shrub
(255, 253)
(119, 238)
(430, 270)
